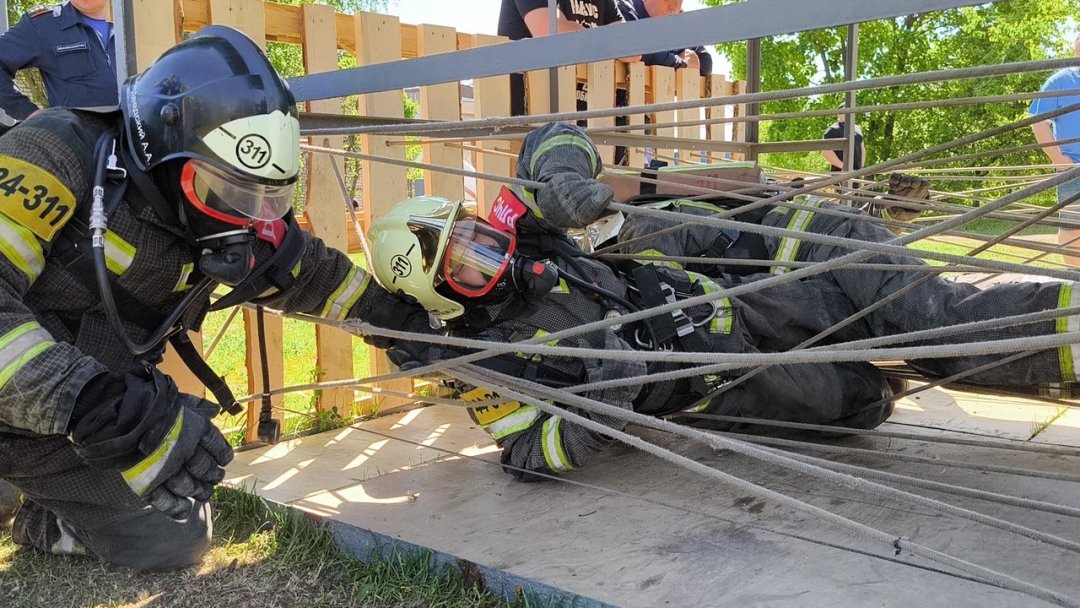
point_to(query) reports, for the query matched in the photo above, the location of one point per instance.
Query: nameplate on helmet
(487, 414)
(506, 210)
(33, 197)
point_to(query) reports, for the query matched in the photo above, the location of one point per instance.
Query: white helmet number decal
(267, 145)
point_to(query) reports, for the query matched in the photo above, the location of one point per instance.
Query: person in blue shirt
(72, 45)
(1066, 126)
(695, 58)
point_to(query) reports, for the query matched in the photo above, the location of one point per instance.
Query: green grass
(301, 367)
(259, 559)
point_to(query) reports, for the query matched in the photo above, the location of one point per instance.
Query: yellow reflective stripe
(561, 287)
(21, 345)
(1067, 355)
(537, 356)
(789, 245)
(296, 269)
(350, 290)
(697, 205)
(656, 253)
(21, 248)
(185, 274)
(520, 420)
(119, 254)
(566, 139)
(140, 476)
(723, 319)
(554, 454)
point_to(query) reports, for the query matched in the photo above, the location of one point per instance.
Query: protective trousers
(74, 509)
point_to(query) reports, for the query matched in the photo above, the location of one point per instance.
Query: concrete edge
(365, 545)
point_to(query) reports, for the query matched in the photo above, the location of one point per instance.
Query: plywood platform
(709, 545)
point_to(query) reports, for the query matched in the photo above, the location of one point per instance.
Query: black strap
(269, 429)
(664, 326)
(275, 272)
(150, 194)
(194, 361)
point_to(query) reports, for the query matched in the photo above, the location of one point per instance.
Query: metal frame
(733, 22)
(124, 37)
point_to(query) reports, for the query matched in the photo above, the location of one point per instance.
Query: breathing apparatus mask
(226, 214)
(440, 254)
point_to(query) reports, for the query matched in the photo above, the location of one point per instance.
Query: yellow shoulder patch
(487, 414)
(34, 198)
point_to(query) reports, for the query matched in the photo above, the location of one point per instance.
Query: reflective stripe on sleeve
(520, 420)
(554, 454)
(350, 290)
(566, 139)
(656, 253)
(789, 245)
(119, 254)
(185, 274)
(21, 248)
(140, 476)
(724, 317)
(19, 346)
(1068, 354)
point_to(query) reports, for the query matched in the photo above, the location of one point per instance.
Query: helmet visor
(221, 193)
(477, 256)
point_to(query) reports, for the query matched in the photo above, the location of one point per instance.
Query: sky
(482, 16)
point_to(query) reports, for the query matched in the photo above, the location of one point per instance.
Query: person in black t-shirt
(519, 19)
(836, 157)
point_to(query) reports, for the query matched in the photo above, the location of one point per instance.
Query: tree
(1003, 32)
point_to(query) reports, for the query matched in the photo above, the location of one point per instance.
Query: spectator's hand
(158, 439)
(691, 59)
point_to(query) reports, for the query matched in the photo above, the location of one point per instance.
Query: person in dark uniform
(697, 58)
(111, 460)
(836, 157)
(519, 19)
(516, 276)
(72, 45)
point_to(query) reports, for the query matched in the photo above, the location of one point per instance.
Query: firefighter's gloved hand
(383, 309)
(581, 200)
(909, 188)
(156, 437)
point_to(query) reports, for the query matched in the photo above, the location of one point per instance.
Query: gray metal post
(753, 85)
(3, 16)
(553, 73)
(851, 72)
(124, 37)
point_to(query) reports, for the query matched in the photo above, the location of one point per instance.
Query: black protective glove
(391, 311)
(906, 187)
(160, 440)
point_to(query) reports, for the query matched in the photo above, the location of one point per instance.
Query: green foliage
(1018, 30)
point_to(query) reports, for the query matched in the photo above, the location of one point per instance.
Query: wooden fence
(374, 38)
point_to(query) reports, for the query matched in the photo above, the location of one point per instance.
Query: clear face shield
(228, 198)
(477, 257)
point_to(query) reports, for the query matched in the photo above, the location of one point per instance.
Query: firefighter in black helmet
(115, 227)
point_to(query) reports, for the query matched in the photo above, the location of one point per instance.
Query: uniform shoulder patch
(33, 197)
(53, 9)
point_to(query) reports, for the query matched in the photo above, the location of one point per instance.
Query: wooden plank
(739, 130)
(325, 204)
(248, 16)
(567, 88)
(285, 24)
(601, 96)
(663, 90)
(440, 102)
(720, 87)
(635, 91)
(379, 41)
(688, 87)
(491, 97)
(156, 23)
(538, 92)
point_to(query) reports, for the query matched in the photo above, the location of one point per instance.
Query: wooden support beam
(601, 96)
(440, 102)
(635, 92)
(688, 88)
(378, 41)
(719, 87)
(491, 97)
(663, 90)
(325, 204)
